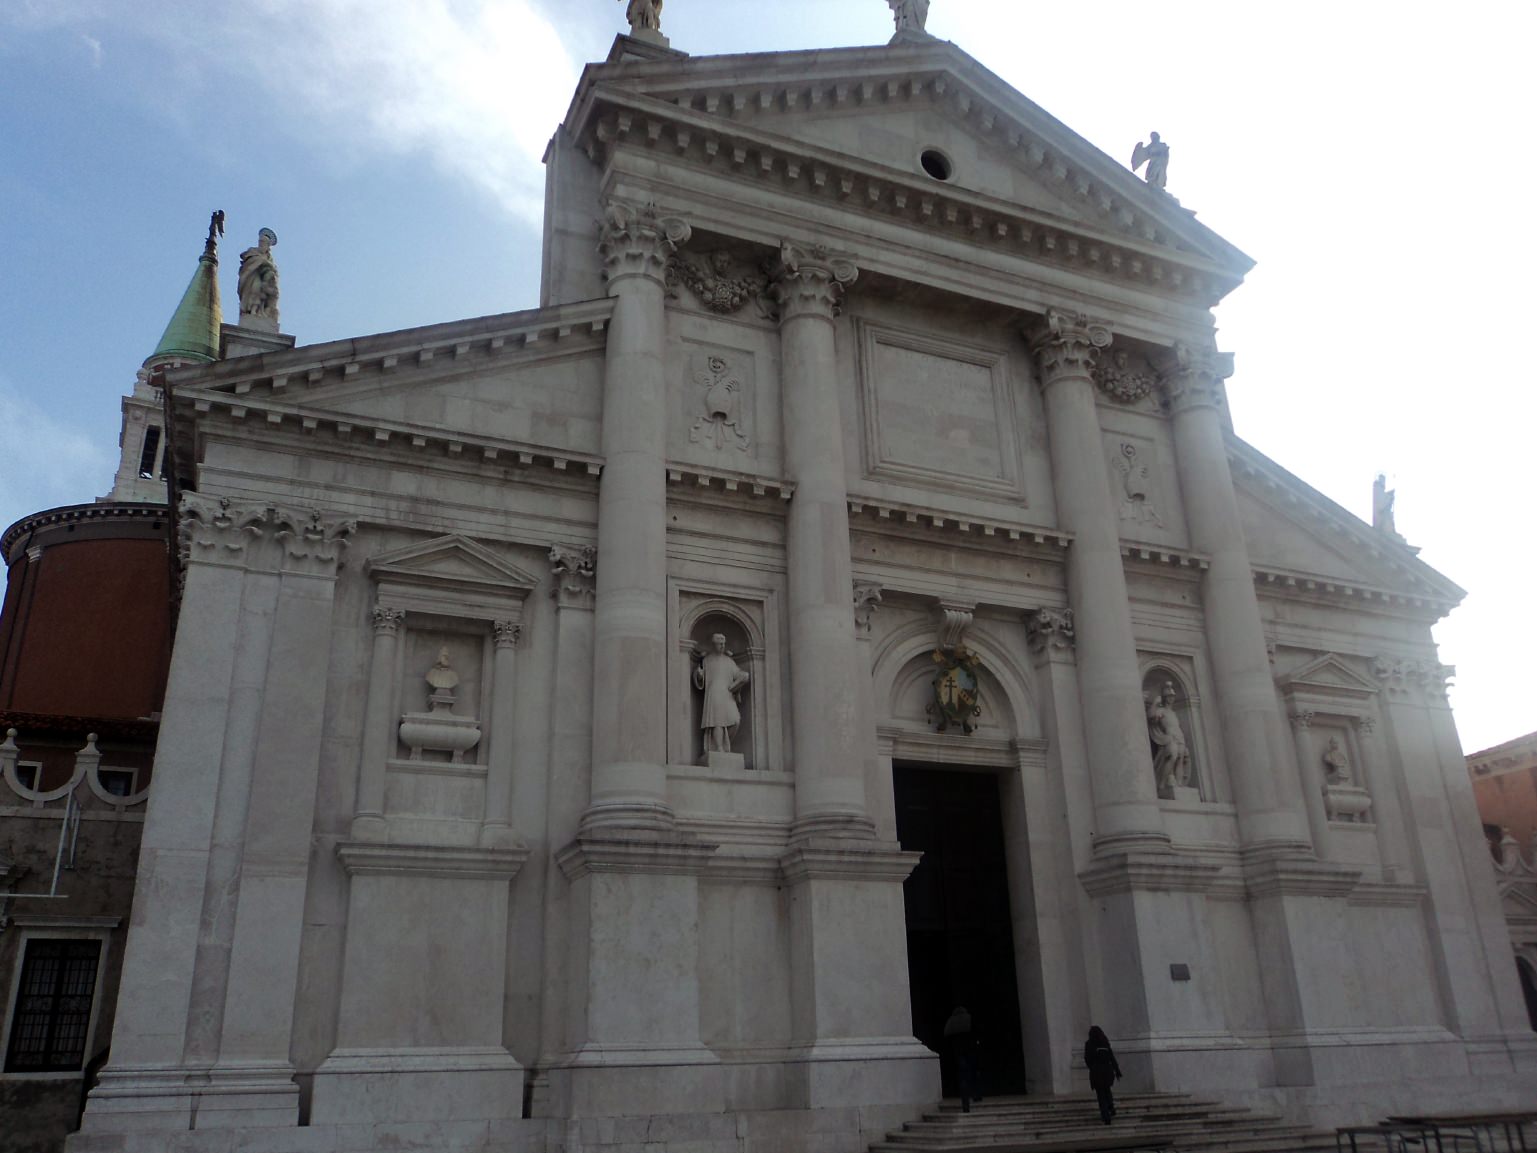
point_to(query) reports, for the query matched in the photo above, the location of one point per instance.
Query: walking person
(963, 1047)
(1103, 1070)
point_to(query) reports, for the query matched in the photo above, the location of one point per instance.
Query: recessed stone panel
(938, 414)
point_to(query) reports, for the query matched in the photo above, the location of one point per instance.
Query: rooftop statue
(644, 15)
(911, 15)
(258, 283)
(1155, 154)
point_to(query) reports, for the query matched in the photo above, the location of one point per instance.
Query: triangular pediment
(854, 122)
(1300, 541)
(451, 560)
(1328, 675)
(1519, 899)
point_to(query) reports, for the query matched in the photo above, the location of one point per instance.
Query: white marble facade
(786, 387)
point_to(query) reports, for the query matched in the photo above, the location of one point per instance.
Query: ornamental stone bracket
(638, 240)
(954, 618)
(811, 280)
(220, 531)
(867, 598)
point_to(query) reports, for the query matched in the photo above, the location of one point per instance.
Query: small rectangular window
(30, 774)
(52, 1014)
(148, 454)
(117, 782)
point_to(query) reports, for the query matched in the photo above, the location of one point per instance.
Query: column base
(831, 1073)
(376, 1086)
(834, 826)
(627, 1081)
(223, 1097)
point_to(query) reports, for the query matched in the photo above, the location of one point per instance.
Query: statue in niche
(1155, 154)
(1171, 753)
(721, 425)
(1136, 487)
(721, 679)
(440, 729)
(644, 15)
(442, 679)
(258, 282)
(1336, 763)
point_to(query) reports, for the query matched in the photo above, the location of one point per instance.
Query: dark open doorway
(960, 935)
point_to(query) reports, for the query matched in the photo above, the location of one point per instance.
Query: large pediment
(853, 123)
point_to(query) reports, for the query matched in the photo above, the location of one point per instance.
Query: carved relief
(1136, 485)
(722, 424)
(715, 279)
(1118, 380)
(957, 689)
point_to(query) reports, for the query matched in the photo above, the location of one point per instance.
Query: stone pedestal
(736, 761)
(251, 340)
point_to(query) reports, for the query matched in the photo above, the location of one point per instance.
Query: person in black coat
(1103, 1070)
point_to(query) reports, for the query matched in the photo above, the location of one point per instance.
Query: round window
(936, 164)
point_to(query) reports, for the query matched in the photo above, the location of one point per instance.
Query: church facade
(646, 717)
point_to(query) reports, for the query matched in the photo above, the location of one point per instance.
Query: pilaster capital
(638, 240)
(386, 620)
(1302, 719)
(575, 570)
(1192, 376)
(1049, 633)
(867, 598)
(1366, 726)
(811, 281)
(1405, 678)
(217, 530)
(313, 543)
(508, 633)
(1067, 345)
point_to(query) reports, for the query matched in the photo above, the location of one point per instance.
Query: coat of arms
(957, 696)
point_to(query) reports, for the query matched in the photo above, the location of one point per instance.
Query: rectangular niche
(465, 648)
(938, 413)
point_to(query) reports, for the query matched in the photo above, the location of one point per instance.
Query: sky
(1370, 155)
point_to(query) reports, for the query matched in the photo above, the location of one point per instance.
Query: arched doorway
(959, 799)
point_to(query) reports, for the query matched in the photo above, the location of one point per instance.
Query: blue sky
(1371, 156)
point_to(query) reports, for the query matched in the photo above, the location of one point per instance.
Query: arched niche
(698, 623)
(1165, 686)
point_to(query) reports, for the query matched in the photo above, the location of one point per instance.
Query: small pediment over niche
(450, 574)
(1328, 676)
(1519, 899)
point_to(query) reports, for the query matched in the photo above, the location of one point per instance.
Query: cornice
(725, 481)
(950, 523)
(368, 858)
(1113, 250)
(67, 517)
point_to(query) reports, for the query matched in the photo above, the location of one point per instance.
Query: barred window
(53, 1007)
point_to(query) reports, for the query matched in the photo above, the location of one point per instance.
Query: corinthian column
(629, 720)
(1270, 807)
(1126, 811)
(828, 747)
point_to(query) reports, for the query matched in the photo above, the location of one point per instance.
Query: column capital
(220, 531)
(1066, 345)
(810, 280)
(217, 530)
(867, 598)
(1192, 376)
(313, 543)
(1302, 719)
(1049, 633)
(386, 619)
(575, 571)
(508, 633)
(637, 241)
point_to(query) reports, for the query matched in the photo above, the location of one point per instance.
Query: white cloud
(474, 86)
(46, 463)
(93, 46)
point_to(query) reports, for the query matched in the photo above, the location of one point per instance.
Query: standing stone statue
(721, 678)
(1155, 154)
(911, 15)
(1382, 506)
(1171, 755)
(258, 283)
(644, 16)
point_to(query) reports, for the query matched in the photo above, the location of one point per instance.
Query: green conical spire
(193, 333)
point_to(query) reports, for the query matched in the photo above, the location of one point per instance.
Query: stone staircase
(1071, 1124)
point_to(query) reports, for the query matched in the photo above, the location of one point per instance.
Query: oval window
(936, 164)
